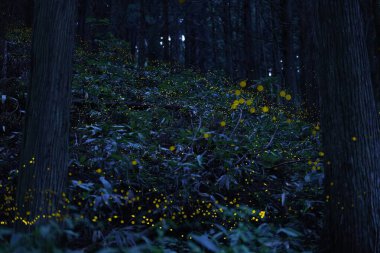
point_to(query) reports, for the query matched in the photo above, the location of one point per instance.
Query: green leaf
(206, 242)
(289, 232)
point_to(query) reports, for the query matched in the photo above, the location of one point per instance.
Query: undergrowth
(166, 159)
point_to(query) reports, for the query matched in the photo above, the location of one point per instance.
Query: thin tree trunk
(276, 50)
(350, 127)
(141, 43)
(165, 30)
(248, 47)
(175, 45)
(190, 46)
(213, 15)
(44, 160)
(308, 85)
(4, 68)
(290, 71)
(118, 18)
(84, 11)
(227, 37)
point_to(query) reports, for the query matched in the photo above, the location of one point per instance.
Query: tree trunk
(202, 39)
(377, 48)
(190, 35)
(118, 18)
(3, 48)
(165, 30)
(175, 45)
(248, 56)
(308, 84)
(4, 65)
(141, 43)
(290, 71)
(350, 131)
(227, 37)
(84, 11)
(44, 160)
(276, 50)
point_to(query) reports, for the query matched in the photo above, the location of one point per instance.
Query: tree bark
(350, 126)
(44, 160)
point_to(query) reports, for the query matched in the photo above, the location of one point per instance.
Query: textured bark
(369, 16)
(352, 170)
(377, 48)
(44, 158)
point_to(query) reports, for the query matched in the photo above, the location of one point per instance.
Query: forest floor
(166, 159)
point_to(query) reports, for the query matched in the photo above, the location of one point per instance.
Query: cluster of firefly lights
(149, 221)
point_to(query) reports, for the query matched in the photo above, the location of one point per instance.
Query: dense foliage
(165, 159)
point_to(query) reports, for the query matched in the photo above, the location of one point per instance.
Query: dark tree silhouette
(227, 31)
(290, 71)
(165, 29)
(351, 130)
(141, 35)
(44, 158)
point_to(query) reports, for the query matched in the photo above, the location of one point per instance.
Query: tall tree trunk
(369, 12)
(44, 161)
(118, 18)
(202, 30)
(165, 30)
(227, 30)
(276, 50)
(175, 45)
(290, 71)
(3, 47)
(190, 35)
(350, 131)
(248, 47)
(213, 14)
(4, 64)
(83, 27)
(377, 48)
(141, 40)
(308, 85)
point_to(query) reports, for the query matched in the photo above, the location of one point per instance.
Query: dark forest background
(189, 126)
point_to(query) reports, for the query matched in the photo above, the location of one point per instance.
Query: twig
(287, 162)
(271, 139)
(237, 124)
